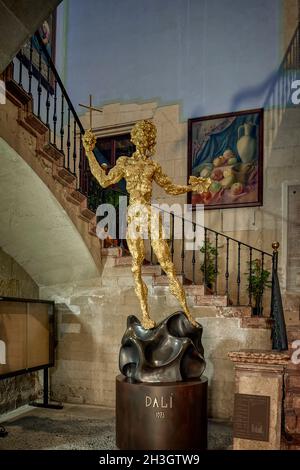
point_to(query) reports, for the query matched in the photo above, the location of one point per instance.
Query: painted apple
(227, 172)
(219, 161)
(237, 188)
(217, 174)
(232, 161)
(227, 182)
(228, 154)
(205, 173)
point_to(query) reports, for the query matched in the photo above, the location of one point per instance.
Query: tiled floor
(81, 428)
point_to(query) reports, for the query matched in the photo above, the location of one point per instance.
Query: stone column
(261, 373)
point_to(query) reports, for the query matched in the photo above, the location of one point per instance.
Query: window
(113, 147)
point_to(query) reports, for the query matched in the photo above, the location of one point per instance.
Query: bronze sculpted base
(161, 416)
(140, 171)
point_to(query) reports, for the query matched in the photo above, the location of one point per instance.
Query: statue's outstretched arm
(196, 184)
(114, 175)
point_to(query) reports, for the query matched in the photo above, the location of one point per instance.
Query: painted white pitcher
(246, 144)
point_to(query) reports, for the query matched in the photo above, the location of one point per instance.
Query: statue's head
(143, 136)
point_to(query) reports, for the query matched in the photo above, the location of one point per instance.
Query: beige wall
(257, 226)
(15, 282)
(290, 13)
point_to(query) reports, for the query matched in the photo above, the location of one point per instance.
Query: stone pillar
(291, 436)
(261, 373)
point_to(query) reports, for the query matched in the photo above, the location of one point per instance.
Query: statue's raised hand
(199, 184)
(89, 140)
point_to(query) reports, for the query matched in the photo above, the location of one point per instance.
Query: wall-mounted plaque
(251, 417)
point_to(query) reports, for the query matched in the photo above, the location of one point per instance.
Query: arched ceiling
(35, 230)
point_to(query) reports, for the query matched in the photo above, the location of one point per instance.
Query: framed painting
(227, 148)
(47, 33)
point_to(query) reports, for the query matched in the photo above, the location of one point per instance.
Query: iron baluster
(172, 236)
(250, 276)
(30, 73)
(239, 274)
(20, 73)
(151, 252)
(216, 264)
(227, 267)
(68, 140)
(80, 164)
(182, 249)
(194, 254)
(205, 258)
(55, 113)
(74, 151)
(48, 99)
(62, 127)
(39, 87)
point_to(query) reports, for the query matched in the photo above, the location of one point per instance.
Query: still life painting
(228, 149)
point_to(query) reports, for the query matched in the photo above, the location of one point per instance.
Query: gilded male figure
(140, 171)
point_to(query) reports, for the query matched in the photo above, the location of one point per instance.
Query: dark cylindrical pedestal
(161, 416)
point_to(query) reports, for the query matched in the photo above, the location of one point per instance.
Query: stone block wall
(92, 320)
(256, 226)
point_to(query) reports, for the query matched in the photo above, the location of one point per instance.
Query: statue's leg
(162, 252)
(137, 250)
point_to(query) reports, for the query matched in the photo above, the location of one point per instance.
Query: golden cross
(91, 108)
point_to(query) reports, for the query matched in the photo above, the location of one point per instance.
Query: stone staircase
(291, 440)
(92, 313)
(29, 137)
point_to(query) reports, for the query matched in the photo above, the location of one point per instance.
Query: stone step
(123, 261)
(75, 197)
(33, 125)
(235, 311)
(48, 164)
(293, 334)
(86, 214)
(92, 230)
(242, 312)
(256, 322)
(53, 153)
(115, 252)
(146, 269)
(112, 279)
(196, 289)
(17, 92)
(64, 176)
(164, 290)
(217, 300)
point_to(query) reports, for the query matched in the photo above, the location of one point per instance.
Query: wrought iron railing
(35, 72)
(225, 265)
(279, 96)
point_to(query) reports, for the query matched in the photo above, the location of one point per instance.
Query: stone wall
(15, 282)
(257, 226)
(92, 320)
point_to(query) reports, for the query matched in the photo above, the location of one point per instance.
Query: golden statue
(140, 171)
